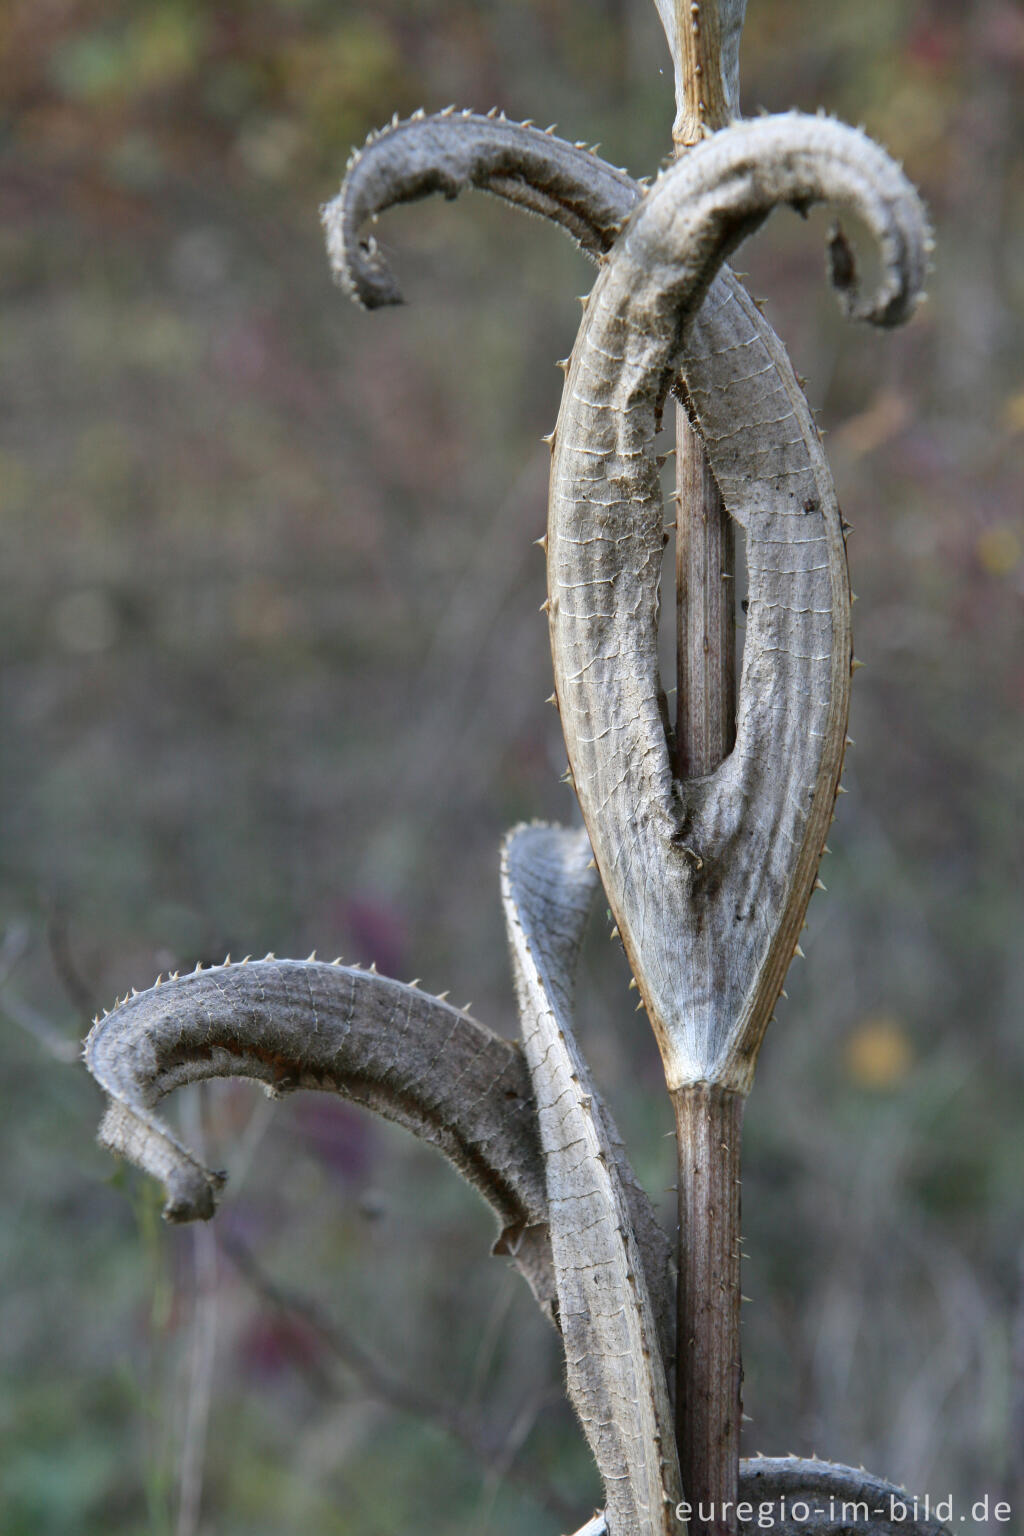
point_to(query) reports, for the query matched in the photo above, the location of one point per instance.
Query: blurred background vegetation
(274, 679)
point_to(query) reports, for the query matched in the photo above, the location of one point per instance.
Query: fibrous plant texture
(707, 874)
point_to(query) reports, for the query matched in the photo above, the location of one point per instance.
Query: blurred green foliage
(274, 679)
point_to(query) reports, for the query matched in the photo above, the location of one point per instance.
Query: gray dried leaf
(294, 1024)
(614, 1355)
(709, 878)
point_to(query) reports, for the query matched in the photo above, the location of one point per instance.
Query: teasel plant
(705, 833)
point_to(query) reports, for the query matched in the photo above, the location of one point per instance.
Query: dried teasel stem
(709, 1120)
(705, 611)
(704, 40)
(709, 1373)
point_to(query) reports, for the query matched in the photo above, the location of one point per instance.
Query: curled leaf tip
(448, 153)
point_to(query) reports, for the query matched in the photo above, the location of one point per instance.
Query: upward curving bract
(709, 878)
(617, 1356)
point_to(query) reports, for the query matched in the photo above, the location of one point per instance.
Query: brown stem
(709, 1122)
(700, 89)
(705, 560)
(708, 1118)
(705, 611)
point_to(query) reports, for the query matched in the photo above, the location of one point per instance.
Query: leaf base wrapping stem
(709, 1128)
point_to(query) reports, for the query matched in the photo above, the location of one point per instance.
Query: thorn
(545, 606)
(135, 991)
(584, 299)
(850, 742)
(245, 960)
(336, 960)
(173, 976)
(614, 933)
(632, 984)
(542, 542)
(784, 993)
(825, 848)
(493, 112)
(563, 363)
(552, 698)
(592, 864)
(549, 438)
(466, 1007)
(853, 596)
(442, 997)
(841, 790)
(312, 956)
(270, 955)
(798, 953)
(373, 966)
(639, 1005)
(415, 981)
(199, 967)
(819, 884)
(855, 665)
(551, 128)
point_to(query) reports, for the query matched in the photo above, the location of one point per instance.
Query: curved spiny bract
(709, 878)
(842, 1501)
(851, 1500)
(449, 153)
(302, 1024)
(615, 1357)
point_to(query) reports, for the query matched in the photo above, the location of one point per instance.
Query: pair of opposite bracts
(709, 879)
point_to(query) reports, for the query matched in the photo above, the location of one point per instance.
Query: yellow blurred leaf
(1013, 412)
(999, 550)
(879, 1054)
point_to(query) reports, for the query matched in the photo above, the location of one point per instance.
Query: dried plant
(705, 835)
